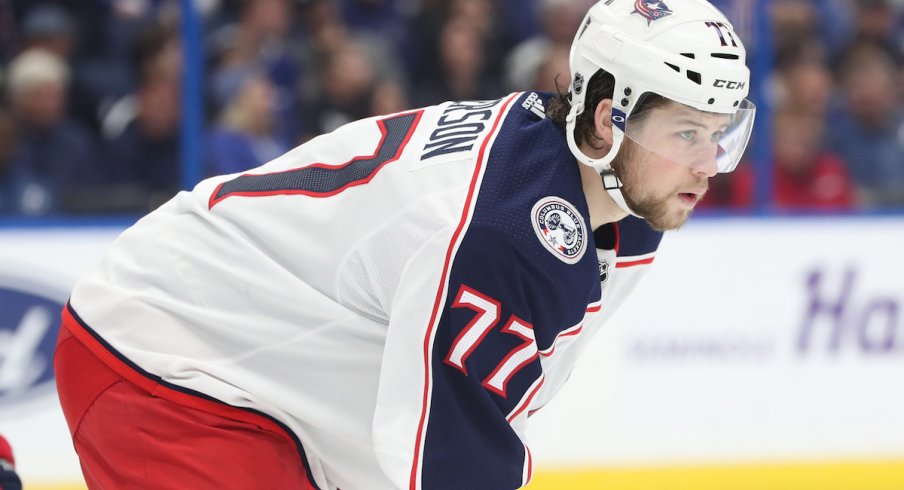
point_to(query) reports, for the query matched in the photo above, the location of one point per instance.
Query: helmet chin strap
(613, 188)
(603, 165)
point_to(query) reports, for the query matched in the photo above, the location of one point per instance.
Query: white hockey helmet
(683, 50)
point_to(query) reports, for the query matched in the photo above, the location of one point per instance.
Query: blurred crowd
(91, 105)
(837, 100)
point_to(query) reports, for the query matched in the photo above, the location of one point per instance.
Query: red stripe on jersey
(527, 400)
(632, 263)
(78, 330)
(442, 287)
(569, 332)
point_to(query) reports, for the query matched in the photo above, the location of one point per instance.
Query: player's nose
(705, 165)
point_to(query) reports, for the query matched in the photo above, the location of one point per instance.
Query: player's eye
(717, 136)
(688, 135)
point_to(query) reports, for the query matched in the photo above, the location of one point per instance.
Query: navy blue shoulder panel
(529, 162)
(509, 295)
(635, 237)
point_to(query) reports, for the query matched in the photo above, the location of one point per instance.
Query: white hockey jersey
(401, 294)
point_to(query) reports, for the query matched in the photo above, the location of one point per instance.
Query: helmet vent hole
(689, 55)
(726, 56)
(695, 77)
(711, 101)
(674, 67)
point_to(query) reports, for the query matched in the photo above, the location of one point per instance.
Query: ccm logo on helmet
(729, 84)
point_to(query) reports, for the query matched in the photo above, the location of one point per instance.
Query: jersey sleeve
(461, 364)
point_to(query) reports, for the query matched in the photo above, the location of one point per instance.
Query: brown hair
(601, 87)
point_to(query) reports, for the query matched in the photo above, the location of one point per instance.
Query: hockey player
(9, 480)
(386, 305)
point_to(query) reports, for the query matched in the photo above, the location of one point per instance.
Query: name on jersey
(459, 127)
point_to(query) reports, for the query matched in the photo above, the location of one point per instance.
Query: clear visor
(687, 136)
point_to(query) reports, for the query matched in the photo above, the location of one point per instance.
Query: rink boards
(758, 353)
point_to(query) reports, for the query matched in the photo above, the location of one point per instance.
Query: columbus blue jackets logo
(560, 228)
(651, 10)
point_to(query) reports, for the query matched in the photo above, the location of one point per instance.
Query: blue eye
(688, 135)
(717, 135)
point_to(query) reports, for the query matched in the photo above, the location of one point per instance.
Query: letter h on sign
(875, 325)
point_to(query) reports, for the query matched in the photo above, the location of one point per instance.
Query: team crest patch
(560, 227)
(651, 10)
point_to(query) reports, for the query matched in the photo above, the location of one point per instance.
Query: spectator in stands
(792, 21)
(259, 42)
(878, 21)
(553, 73)
(559, 20)
(48, 26)
(11, 181)
(9, 139)
(8, 32)
(325, 35)
(478, 13)
(384, 18)
(829, 21)
(867, 133)
(483, 15)
(443, 26)
(389, 96)
(521, 18)
(58, 151)
(805, 86)
(92, 36)
(351, 69)
(805, 175)
(346, 89)
(142, 129)
(461, 69)
(732, 192)
(323, 30)
(243, 138)
(420, 45)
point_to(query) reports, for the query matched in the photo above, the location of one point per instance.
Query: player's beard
(655, 208)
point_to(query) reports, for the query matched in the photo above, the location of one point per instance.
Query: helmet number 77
(719, 27)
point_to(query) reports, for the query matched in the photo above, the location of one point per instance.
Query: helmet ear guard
(583, 69)
(688, 54)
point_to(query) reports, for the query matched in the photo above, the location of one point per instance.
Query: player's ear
(602, 121)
